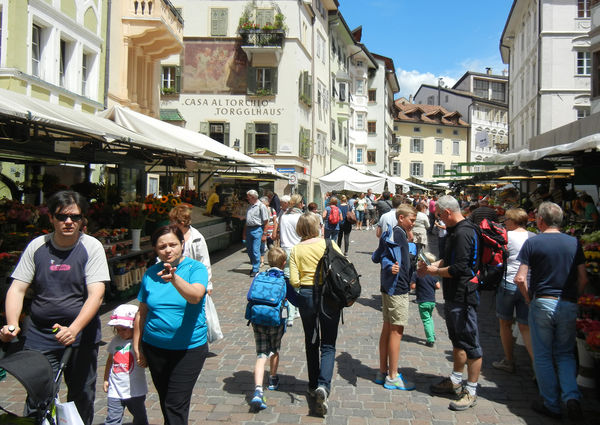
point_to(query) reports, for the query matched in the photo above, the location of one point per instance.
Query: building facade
(431, 140)
(546, 45)
(595, 53)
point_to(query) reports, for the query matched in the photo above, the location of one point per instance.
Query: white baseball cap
(123, 315)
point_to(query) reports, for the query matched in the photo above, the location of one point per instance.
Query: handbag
(213, 327)
(351, 216)
(67, 414)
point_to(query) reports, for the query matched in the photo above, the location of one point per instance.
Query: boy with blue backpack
(266, 299)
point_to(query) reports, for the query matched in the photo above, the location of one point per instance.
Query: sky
(428, 39)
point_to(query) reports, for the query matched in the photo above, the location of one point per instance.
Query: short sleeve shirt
(59, 279)
(126, 379)
(257, 214)
(173, 323)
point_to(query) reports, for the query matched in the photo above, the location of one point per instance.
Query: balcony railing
(262, 37)
(144, 8)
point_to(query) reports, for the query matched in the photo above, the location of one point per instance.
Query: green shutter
(274, 80)
(310, 88)
(273, 141)
(226, 134)
(251, 80)
(249, 138)
(178, 79)
(204, 128)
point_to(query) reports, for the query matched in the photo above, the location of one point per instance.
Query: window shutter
(249, 137)
(251, 80)
(273, 141)
(223, 22)
(204, 128)
(226, 134)
(300, 85)
(309, 87)
(178, 79)
(274, 80)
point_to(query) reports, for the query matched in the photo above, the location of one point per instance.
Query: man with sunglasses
(66, 270)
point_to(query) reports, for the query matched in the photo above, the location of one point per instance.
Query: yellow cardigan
(304, 258)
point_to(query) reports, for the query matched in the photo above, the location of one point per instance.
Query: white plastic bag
(67, 414)
(213, 327)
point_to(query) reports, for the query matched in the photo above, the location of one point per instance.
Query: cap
(123, 315)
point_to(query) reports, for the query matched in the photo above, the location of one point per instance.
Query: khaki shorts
(395, 309)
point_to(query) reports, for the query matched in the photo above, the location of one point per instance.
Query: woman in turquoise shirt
(170, 328)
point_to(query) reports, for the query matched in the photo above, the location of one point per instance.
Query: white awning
(394, 181)
(348, 178)
(175, 137)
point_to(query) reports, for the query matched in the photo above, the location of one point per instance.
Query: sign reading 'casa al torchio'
(236, 106)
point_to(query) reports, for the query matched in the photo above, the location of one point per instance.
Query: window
(439, 146)
(584, 63)
(372, 127)
(321, 48)
(265, 17)
(305, 89)
(416, 169)
(371, 157)
(218, 22)
(438, 169)
(333, 126)
(36, 49)
(582, 113)
(262, 81)
(396, 168)
(261, 138)
(373, 95)
(431, 100)
(596, 76)
(438, 131)
(65, 58)
(304, 143)
(498, 91)
(85, 72)
(416, 145)
(342, 92)
(417, 129)
(359, 155)
(481, 88)
(583, 8)
(360, 87)
(219, 132)
(320, 99)
(455, 132)
(455, 147)
(170, 79)
(360, 121)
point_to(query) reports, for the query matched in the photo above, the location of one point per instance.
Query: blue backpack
(266, 298)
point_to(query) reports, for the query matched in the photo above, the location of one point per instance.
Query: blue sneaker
(273, 382)
(258, 401)
(380, 378)
(398, 383)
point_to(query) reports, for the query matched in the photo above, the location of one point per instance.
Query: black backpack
(336, 280)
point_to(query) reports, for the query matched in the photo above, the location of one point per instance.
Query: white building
(481, 98)
(255, 75)
(546, 45)
(595, 53)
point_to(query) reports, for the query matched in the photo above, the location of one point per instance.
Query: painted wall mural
(214, 67)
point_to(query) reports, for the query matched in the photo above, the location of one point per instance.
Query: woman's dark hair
(64, 198)
(164, 230)
(312, 206)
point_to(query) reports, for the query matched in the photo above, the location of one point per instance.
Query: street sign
(293, 179)
(290, 170)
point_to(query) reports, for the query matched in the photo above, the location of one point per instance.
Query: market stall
(350, 179)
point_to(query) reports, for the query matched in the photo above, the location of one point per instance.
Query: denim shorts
(461, 321)
(508, 300)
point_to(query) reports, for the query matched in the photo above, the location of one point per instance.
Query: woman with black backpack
(345, 225)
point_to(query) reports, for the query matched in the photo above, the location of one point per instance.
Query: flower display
(132, 214)
(157, 208)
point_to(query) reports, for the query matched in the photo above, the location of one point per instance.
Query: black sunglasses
(64, 217)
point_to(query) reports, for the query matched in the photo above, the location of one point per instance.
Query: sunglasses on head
(64, 217)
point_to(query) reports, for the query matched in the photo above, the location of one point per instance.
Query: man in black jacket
(457, 267)
(383, 204)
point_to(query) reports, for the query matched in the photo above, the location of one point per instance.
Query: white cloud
(410, 81)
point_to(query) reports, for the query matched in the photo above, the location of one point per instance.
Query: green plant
(305, 99)
(262, 150)
(169, 90)
(264, 92)
(279, 22)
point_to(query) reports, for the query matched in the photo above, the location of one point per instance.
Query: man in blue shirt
(558, 276)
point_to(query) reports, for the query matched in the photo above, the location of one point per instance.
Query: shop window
(171, 79)
(261, 138)
(218, 22)
(416, 169)
(371, 156)
(416, 145)
(262, 81)
(372, 127)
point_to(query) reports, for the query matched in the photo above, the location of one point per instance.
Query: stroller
(33, 370)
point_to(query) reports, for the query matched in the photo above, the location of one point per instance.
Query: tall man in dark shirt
(66, 271)
(483, 211)
(557, 278)
(458, 267)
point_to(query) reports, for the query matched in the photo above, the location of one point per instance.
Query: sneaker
(574, 410)
(290, 323)
(504, 365)
(258, 401)
(321, 401)
(398, 383)
(380, 378)
(253, 274)
(446, 386)
(273, 383)
(539, 407)
(430, 344)
(464, 401)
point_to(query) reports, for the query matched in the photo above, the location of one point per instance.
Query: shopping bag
(213, 327)
(67, 414)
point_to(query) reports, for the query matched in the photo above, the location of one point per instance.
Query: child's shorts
(268, 339)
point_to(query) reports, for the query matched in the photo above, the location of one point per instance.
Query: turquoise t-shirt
(173, 323)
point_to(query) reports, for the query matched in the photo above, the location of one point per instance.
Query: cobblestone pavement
(226, 382)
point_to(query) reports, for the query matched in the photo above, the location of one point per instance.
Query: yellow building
(142, 33)
(429, 141)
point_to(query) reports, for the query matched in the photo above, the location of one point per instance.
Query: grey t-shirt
(59, 279)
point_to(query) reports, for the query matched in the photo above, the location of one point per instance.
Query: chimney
(488, 71)
(410, 98)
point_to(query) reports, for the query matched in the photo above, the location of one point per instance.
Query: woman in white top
(421, 226)
(509, 299)
(360, 206)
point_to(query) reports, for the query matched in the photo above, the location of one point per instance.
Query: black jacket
(462, 256)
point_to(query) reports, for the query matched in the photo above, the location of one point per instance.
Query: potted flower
(262, 150)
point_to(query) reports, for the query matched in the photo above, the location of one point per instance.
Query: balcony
(263, 45)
